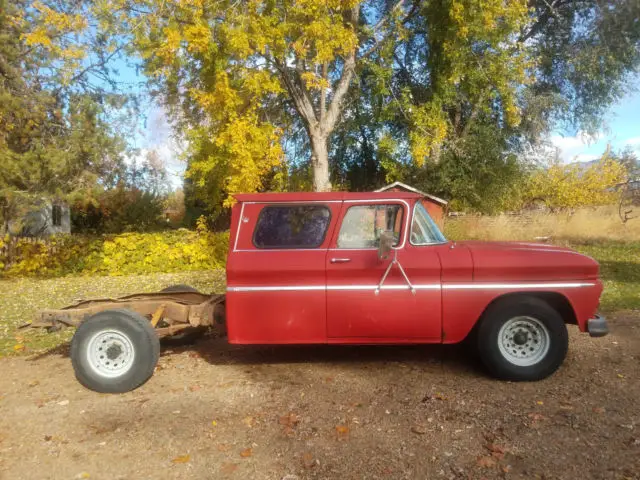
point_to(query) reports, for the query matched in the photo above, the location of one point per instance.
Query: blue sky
(622, 127)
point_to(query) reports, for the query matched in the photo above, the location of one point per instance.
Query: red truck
(352, 268)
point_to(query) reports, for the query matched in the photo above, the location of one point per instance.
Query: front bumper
(597, 326)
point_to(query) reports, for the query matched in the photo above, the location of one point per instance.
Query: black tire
(131, 328)
(179, 288)
(546, 321)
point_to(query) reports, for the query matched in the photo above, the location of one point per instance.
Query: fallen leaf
(493, 448)
(19, 347)
(214, 423)
(247, 452)
(540, 402)
(249, 421)
(536, 417)
(83, 475)
(290, 420)
(228, 467)
(486, 461)
(419, 429)
(181, 459)
(619, 374)
(342, 430)
(308, 460)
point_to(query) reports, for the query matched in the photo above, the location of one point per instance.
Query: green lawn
(21, 298)
(620, 270)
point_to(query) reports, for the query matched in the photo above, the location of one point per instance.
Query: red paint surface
(441, 314)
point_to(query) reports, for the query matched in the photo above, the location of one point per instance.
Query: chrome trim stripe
(500, 286)
(429, 286)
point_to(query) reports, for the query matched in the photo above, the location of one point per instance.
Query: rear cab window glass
(291, 226)
(362, 225)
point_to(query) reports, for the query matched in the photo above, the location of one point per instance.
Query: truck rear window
(291, 226)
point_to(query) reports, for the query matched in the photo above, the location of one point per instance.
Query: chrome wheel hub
(110, 353)
(524, 341)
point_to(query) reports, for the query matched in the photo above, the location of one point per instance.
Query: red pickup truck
(353, 268)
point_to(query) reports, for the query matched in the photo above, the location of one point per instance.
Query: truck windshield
(424, 231)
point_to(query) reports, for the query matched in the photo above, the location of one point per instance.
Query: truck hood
(519, 261)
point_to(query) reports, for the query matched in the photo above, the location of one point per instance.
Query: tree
(576, 184)
(251, 71)
(54, 137)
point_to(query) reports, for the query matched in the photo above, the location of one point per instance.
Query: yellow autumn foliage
(124, 254)
(573, 185)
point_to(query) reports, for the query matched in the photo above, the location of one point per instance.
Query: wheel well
(555, 300)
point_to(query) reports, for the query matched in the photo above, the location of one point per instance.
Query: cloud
(579, 147)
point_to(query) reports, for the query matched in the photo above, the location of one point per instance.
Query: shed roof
(408, 188)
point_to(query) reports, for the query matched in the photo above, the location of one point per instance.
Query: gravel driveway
(212, 411)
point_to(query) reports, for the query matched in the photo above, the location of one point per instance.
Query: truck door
(359, 308)
(276, 272)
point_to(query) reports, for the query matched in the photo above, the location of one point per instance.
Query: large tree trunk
(320, 163)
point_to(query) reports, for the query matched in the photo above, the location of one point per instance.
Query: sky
(622, 128)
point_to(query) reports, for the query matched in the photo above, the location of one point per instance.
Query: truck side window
(363, 224)
(291, 226)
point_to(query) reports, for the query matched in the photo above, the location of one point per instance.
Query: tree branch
(299, 95)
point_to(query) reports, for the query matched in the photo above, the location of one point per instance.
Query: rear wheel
(114, 351)
(522, 339)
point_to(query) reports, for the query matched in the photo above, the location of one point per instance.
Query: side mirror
(385, 243)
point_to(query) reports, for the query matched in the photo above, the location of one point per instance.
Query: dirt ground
(212, 411)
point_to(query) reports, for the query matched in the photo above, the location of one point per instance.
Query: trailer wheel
(114, 351)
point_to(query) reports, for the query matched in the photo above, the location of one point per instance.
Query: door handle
(340, 260)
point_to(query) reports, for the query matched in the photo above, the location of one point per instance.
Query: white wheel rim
(524, 341)
(110, 353)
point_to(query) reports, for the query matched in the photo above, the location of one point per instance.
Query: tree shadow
(217, 351)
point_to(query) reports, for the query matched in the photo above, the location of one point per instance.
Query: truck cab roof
(322, 196)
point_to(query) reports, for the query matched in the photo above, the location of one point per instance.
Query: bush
(124, 254)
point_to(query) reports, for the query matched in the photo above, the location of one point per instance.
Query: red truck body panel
(328, 294)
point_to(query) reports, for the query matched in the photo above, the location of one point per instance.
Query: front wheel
(114, 351)
(522, 339)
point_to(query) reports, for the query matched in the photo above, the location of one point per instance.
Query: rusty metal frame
(179, 310)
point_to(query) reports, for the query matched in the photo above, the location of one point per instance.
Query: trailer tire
(114, 351)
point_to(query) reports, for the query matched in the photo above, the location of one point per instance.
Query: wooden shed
(434, 205)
